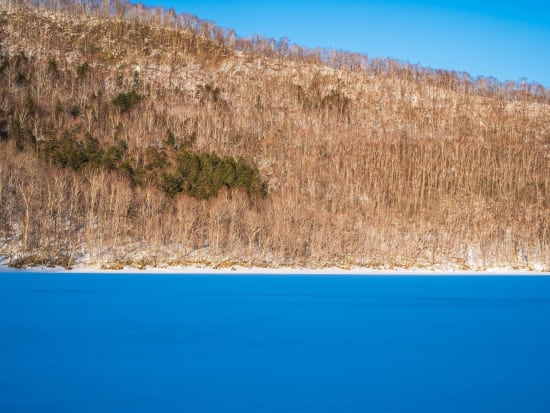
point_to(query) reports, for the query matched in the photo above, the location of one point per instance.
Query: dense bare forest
(137, 136)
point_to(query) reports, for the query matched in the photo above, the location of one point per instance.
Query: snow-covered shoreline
(298, 271)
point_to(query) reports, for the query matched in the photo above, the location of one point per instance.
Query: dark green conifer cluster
(199, 175)
(202, 176)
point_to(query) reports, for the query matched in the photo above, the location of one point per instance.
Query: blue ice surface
(205, 343)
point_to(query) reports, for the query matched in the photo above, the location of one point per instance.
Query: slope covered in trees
(138, 135)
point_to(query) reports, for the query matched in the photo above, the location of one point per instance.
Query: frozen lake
(221, 343)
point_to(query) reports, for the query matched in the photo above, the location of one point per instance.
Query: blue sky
(507, 40)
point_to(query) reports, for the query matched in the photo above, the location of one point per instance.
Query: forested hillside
(134, 135)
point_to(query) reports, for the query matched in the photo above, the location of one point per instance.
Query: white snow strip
(238, 270)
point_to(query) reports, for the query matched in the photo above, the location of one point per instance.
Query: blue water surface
(201, 343)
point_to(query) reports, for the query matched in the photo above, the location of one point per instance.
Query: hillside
(133, 135)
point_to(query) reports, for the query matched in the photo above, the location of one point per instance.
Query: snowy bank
(294, 270)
